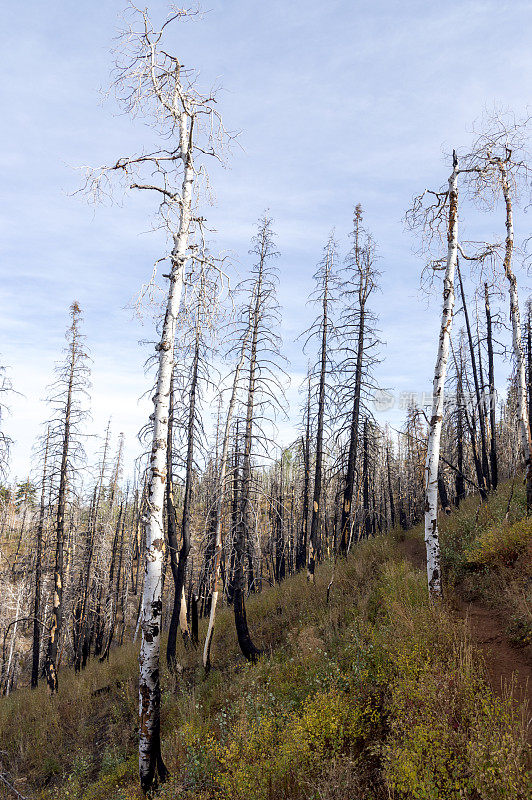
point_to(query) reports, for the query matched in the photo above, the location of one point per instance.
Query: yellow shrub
(502, 544)
(279, 754)
(330, 723)
(497, 750)
(248, 762)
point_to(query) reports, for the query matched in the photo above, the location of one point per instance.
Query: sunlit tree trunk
(433, 444)
(150, 758)
(522, 410)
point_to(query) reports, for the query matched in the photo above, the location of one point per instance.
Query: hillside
(373, 694)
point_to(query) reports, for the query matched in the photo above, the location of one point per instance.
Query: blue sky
(337, 102)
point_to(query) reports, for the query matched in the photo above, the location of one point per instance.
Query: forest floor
(375, 694)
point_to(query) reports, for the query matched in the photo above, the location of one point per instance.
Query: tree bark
(151, 765)
(522, 410)
(433, 444)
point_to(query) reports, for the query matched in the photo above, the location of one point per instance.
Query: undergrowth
(375, 694)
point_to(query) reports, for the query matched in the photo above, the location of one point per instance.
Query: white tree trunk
(149, 685)
(433, 445)
(13, 640)
(522, 408)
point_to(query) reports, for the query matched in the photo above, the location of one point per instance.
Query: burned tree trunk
(365, 482)
(173, 544)
(390, 488)
(459, 476)
(218, 540)
(36, 645)
(179, 612)
(71, 376)
(492, 396)
(301, 555)
(484, 475)
(324, 277)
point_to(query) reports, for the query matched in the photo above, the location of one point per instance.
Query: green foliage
(25, 493)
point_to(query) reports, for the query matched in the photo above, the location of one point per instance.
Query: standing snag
(262, 390)
(322, 328)
(66, 399)
(498, 169)
(445, 208)
(356, 347)
(153, 82)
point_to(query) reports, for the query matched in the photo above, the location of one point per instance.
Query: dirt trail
(506, 665)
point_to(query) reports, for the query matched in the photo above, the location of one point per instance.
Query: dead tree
(36, 644)
(220, 494)
(355, 361)
(491, 387)
(460, 492)
(499, 170)
(483, 475)
(153, 82)
(84, 620)
(66, 398)
(302, 542)
(196, 375)
(431, 217)
(262, 392)
(321, 329)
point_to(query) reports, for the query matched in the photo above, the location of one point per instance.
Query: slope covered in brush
(375, 693)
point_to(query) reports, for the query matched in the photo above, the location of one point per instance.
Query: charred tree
(66, 397)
